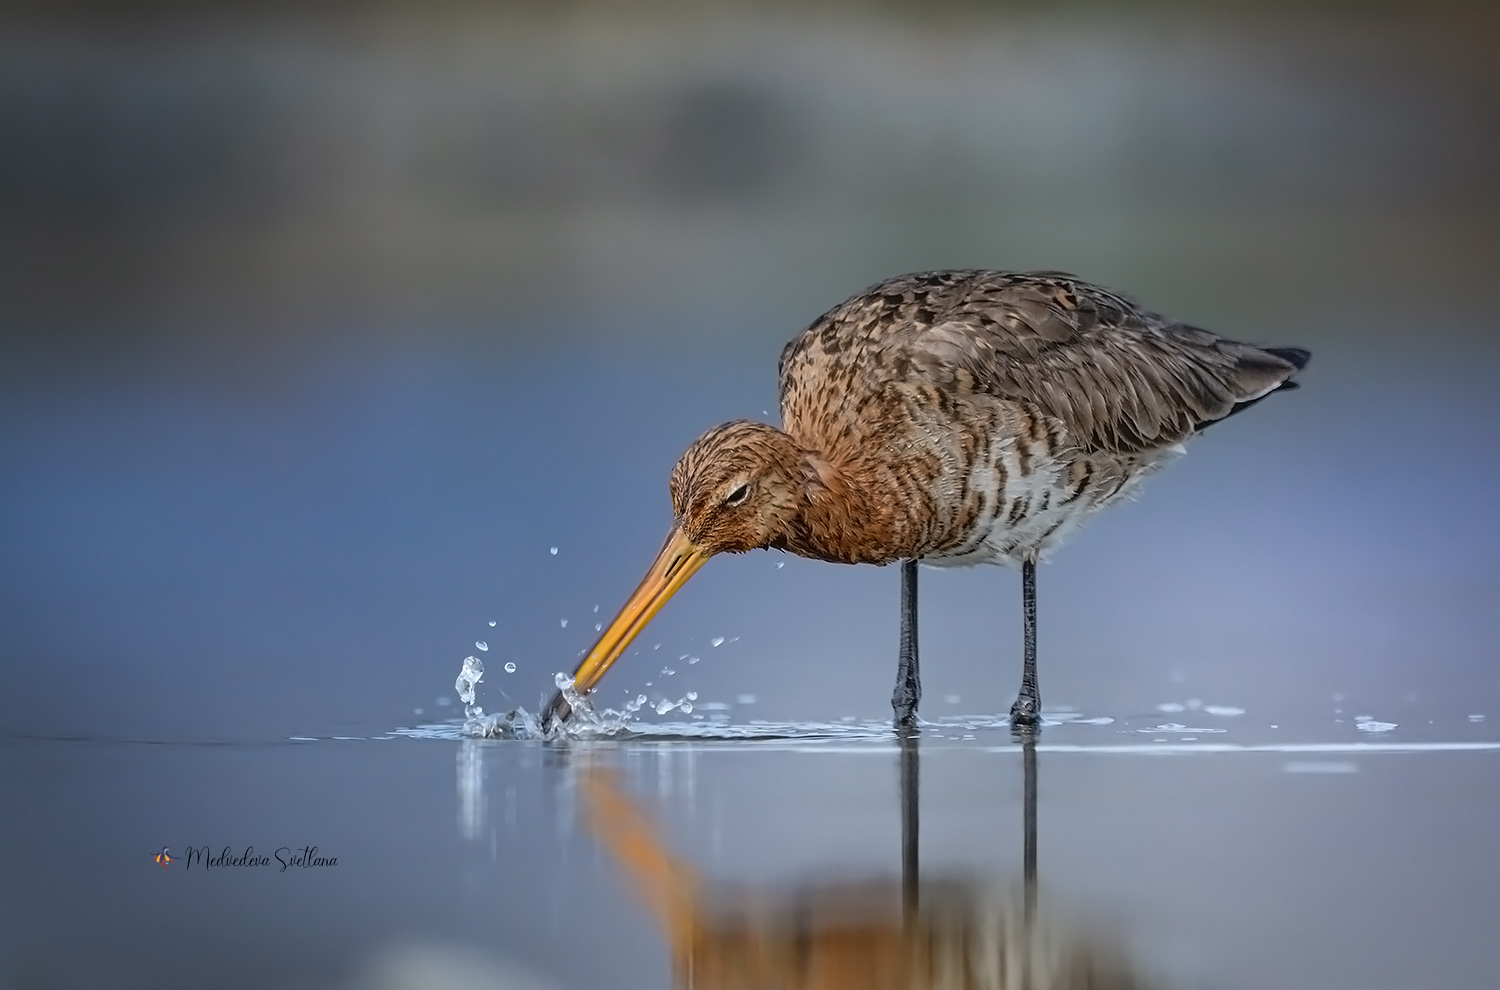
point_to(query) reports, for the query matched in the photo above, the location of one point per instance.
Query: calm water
(1356, 862)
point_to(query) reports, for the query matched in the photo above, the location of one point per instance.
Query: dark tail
(1296, 356)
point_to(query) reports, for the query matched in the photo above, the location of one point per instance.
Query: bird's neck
(847, 516)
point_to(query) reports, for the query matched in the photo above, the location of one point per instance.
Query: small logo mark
(164, 857)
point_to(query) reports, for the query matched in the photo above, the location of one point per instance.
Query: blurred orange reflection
(878, 933)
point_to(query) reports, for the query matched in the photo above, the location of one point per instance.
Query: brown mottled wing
(1119, 378)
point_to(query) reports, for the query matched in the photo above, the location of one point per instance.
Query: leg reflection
(911, 789)
(964, 932)
(1028, 823)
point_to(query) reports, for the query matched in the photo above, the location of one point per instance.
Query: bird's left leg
(908, 680)
(1027, 709)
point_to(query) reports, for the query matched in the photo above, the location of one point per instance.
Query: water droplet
(1171, 706)
(471, 674)
(687, 707)
(480, 644)
(598, 626)
(419, 711)
(1227, 710)
(716, 641)
(693, 659)
(1476, 718)
(510, 668)
(1370, 725)
(492, 622)
(562, 680)
(780, 564)
(692, 696)
(640, 699)
(663, 706)
(596, 608)
(667, 671)
(554, 551)
(744, 699)
(564, 623)
(657, 646)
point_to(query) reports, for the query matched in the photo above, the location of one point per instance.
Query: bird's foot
(1026, 711)
(906, 712)
(905, 698)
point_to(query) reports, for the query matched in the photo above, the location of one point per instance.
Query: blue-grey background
(320, 327)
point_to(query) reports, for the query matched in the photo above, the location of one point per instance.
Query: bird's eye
(738, 495)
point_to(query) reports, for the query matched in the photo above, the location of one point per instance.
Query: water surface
(1321, 859)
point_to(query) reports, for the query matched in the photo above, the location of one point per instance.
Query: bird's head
(739, 487)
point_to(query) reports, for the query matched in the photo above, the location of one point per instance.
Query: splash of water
(468, 679)
(585, 723)
(590, 723)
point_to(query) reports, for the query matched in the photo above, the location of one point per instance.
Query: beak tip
(677, 561)
(557, 710)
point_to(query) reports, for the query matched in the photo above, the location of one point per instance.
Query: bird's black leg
(1028, 707)
(908, 680)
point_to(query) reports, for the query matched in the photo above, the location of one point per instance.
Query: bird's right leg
(1027, 710)
(908, 679)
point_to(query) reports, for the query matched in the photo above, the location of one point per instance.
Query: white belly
(1033, 513)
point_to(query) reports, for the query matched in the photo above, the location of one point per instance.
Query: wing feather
(1119, 378)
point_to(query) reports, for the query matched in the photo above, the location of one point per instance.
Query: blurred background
(337, 337)
(324, 323)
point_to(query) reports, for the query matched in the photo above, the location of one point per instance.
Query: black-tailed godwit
(949, 417)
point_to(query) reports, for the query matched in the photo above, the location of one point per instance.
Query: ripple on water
(1179, 729)
(1368, 723)
(626, 724)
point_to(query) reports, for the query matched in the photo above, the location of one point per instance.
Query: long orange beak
(679, 560)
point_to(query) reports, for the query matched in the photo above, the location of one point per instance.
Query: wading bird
(949, 417)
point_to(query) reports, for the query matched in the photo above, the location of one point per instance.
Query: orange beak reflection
(679, 560)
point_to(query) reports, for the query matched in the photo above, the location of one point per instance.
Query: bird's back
(1008, 404)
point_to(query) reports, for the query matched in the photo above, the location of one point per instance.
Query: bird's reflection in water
(872, 934)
